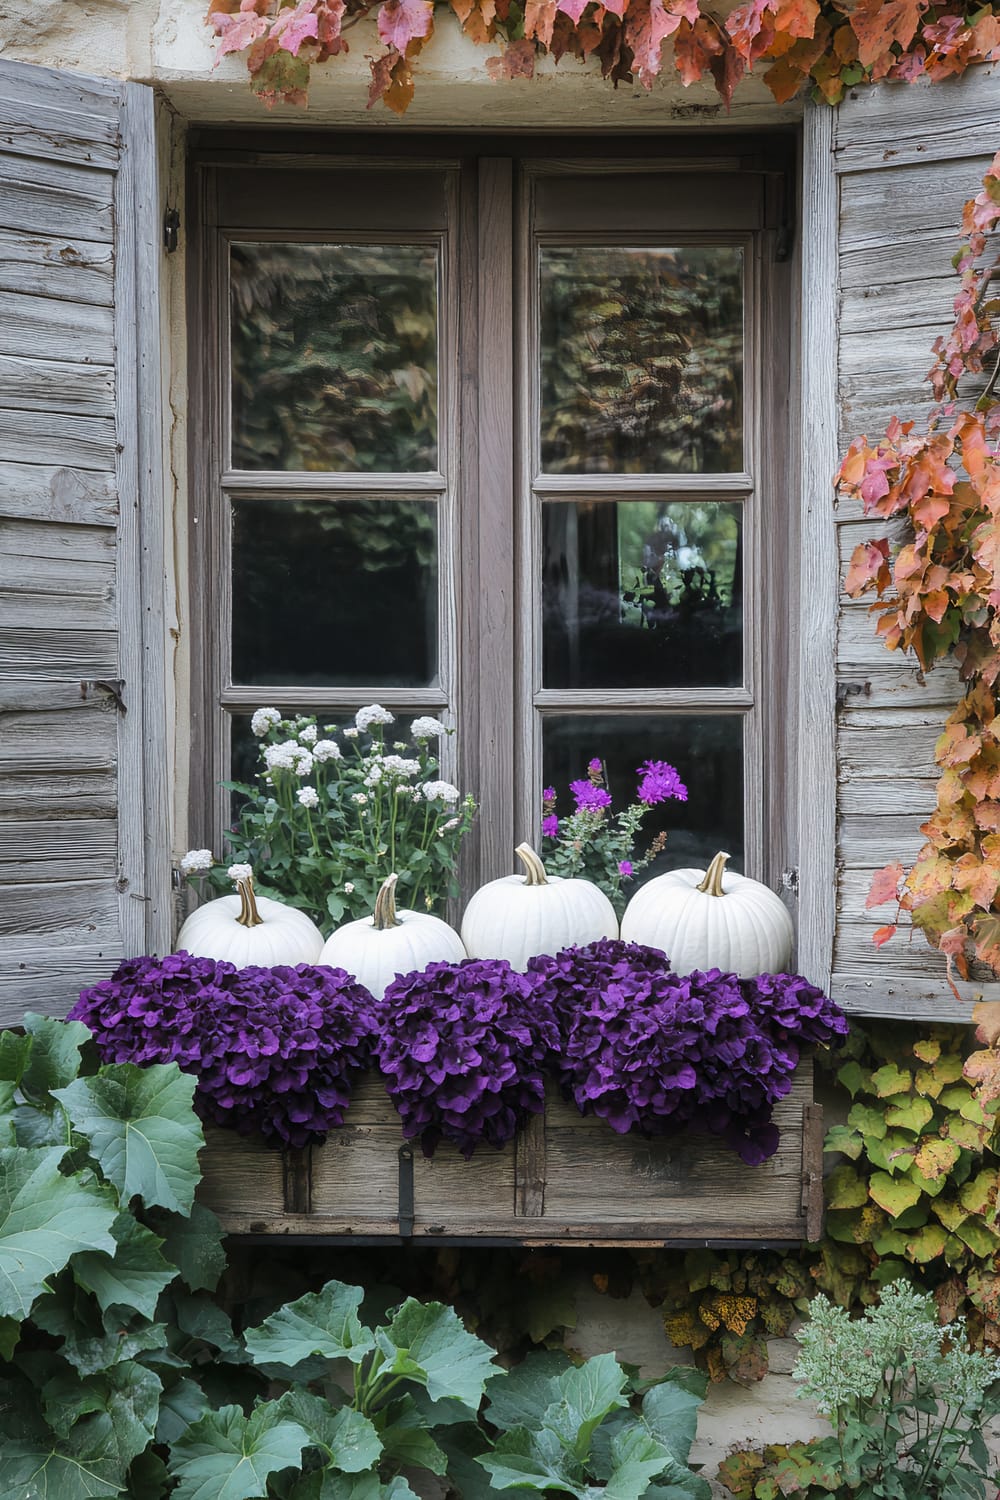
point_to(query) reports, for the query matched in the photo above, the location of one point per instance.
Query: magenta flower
(550, 826)
(625, 869)
(595, 771)
(589, 798)
(549, 795)
(658, 782)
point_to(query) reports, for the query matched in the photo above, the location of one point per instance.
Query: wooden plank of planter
(568, 1180)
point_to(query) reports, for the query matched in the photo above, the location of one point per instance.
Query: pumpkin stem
(534, 870)
(385, 905)
(712, 883)
(249, 915)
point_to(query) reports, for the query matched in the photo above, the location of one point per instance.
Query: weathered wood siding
(905, 160)
(73, 273)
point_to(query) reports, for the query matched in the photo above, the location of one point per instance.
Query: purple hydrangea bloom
(588, 797)
(274, 1050)
(625, 869)
(550, 826)
(656, 1053)
(659, 782)
(463, 1047)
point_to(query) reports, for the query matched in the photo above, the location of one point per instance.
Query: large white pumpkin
(711, 919)
(249, 929)
(378, 948)
(521, 916)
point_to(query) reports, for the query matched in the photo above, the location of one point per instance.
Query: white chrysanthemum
(348, 887)
(308, 734)
(303, 762)
(440, 791)
(264, 720)
(324, 750)
(240, 872)
(402, 789)
(195, 860)
(400, 766)
(374, 776)
(283, 756)
(350, 734)
(307, 796)
(426, 728)
(360, 798)
(373, 714)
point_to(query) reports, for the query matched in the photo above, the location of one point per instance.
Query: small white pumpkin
(378, 948)
(521, 916)
(712, 919)
(249, 929)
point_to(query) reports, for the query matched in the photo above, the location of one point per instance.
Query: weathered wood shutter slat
(903, 160)
(79, 879)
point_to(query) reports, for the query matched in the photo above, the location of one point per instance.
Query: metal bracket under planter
(566, 1180)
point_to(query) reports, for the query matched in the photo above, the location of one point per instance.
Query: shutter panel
(893, 168)
(83, 849)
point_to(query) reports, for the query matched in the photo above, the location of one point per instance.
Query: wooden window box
(566, 1180)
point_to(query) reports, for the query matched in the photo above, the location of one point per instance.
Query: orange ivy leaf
(882, 935)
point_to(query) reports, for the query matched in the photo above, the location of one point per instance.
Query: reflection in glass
(335, 593)
(642, 593)
(641, 360)
(707, 751)
(334, 357)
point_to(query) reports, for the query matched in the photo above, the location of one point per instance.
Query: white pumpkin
(521, 916)
(249, 929)
(712, 919)
(378, 948)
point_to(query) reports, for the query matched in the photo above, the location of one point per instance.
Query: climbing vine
(830, 44)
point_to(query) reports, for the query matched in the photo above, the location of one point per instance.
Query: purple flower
(548, 798)
(595, 771)
(625, 869)
(550, 826)
(589, 798)
(658, 782)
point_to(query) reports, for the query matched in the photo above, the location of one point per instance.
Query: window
(499, 436)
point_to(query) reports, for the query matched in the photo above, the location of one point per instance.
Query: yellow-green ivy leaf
(964, 1133)
(869, 1121)
(927, 1050)
(890, 1080)
(936, 1158)
(853, 1077)
(949, 1068)
(913, 1114)
(980, 1238)
(927, 1244)
(978, 1195)
(894, 1153)
(927, 1083)
(972, 1110)
(954, 1096)
(890, 1242)
(847, 1142)
(950, 1213)
(894, 1194)
(845, 1189)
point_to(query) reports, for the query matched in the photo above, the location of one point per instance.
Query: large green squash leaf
(134, 1277)
(54, 1059)
(44, 1219)
(118, 1408)
(346, 1440)
(427, 1343)
(227, 1456)
(193, 1243)
(324, 1323)
(142, 1130)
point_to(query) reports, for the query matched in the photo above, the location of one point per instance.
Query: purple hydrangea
(274, 1050)
(659, 782)
(655, 1052)
(463, 1047)
(588, 797)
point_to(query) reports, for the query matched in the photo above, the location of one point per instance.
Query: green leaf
(54, 1060)
(227, 1456)
(193, 1243)
(147, 1477)
(93, 1342)
(841, 1138)
(324, 1323)
(333, 1486)
(585, 1395)
(10, 1333)
(637, 1457)
(201, 1318)
(44, 1219)
(980, 1238)
(347, 1439)
(894, 1194)
(118, 1407)
(407, 1442)
(43, 1467)
(868, 1120)
(852, 1077)
(427, 1343)
(522, 1396)
(845, 1189)
(927, 1244)
(890, 1080)
(134, 1277)
(530, 1460)
(912, 1114)
(14, 1053)
(670, 1410)
(182, 1404)
(142, 1130)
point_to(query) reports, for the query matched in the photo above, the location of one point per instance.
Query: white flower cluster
(325, 750)
(308, 796)
(195, 860)
(373, 714)
(264, 720)
(351, 734)
(308, 733)
(426, 728)
(359, 797)
(440, 791)
(398, 765)
(289, 755)
(374, 776)
(447, 827)
(240, 872)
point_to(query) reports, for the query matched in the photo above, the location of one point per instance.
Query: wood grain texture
(51, 386)
(66, 495)
(71, 269)
(37, 974)
(67, 849)
(47, 328)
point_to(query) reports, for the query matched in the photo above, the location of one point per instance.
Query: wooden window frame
(491, 603)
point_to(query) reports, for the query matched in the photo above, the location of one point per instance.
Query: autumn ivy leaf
(980, 1238)
(237, 32)
(894, 1194)
(878, 24)
(292, 27)
(979, 1194)
(890, 1080)
(401, 22)
(927, 1244)
(928, 1050)
(142, 1130)
(228, 1456)
(885, 885)
(45, 1218)
(950, 1213)
(845, 1189)
(870, 1121)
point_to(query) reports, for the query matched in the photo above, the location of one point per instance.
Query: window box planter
(565, 1180)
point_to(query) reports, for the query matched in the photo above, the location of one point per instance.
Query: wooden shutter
(886, 176)
(83, 847)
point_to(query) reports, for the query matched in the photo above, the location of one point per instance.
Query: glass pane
(334, 357)
(707, 752)
(335, 593)
(642, 593)
(642, 360)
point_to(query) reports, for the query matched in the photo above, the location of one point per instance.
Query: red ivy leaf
(883, 934)
(648, 23)
(293, 27)
(885, 886)
(401, 22)
(237, 32)
(879, 23)
(694, 48)
(516, 61)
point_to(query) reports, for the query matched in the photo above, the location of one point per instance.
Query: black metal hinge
(171, 229)
(405, 1211)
